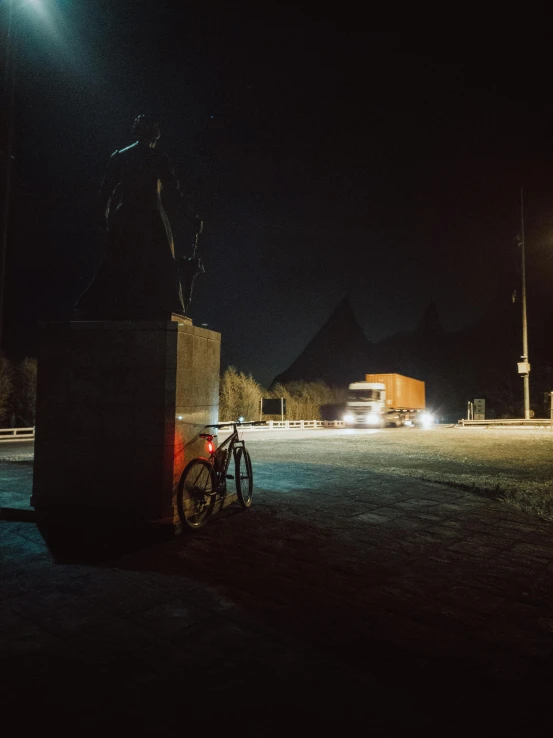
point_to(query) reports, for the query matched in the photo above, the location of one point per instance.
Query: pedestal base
(120, 405)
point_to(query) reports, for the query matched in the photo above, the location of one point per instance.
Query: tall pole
(525, 363)
(9, 89)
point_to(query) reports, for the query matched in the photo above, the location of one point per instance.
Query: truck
(387, 400)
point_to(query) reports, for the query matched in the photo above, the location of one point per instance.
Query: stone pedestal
(119, 408)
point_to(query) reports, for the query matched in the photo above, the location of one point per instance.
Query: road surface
(491, 461)
(15, 450)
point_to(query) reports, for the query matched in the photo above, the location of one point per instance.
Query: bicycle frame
(230, 445)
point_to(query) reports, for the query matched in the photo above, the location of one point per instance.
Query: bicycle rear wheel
(196, 493)
(244, 477)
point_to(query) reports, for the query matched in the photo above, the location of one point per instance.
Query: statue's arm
(109, 184)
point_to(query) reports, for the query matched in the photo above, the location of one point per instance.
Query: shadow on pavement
(89, 536)
(16, 514)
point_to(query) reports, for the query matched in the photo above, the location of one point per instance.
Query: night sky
(326, 160)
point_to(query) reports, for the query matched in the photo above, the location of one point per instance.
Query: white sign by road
(480, 409)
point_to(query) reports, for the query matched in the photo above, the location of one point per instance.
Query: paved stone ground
(16, 480)
(344, 599)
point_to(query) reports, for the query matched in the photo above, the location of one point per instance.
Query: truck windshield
(364, 395)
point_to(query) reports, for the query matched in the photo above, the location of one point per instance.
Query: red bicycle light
(210, 446)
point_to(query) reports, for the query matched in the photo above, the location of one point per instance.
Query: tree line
(239, 396)
(17, 393)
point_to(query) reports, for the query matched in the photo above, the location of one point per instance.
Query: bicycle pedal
(229, 476)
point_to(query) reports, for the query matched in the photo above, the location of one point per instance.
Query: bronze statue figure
(138, 278)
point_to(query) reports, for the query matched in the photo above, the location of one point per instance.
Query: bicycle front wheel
(196, 493)
(244, 477)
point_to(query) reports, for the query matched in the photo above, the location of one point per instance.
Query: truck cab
(366, 404)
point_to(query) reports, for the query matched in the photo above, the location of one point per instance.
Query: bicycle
(204, 481)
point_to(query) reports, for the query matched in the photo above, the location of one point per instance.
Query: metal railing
(26, 434)
(294, 425)
(508, 423)
(17, 434)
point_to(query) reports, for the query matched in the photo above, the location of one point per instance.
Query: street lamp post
(524, 365)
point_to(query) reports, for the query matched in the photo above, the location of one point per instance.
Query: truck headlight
(373, 419)
(349, 418)
(427, 419)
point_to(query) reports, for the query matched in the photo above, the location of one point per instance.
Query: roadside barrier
(26, 434)
(17, 434)
(507, 423)
(293, 424)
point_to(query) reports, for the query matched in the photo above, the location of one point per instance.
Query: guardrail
(17, 434)
(293, 424)
(508, 422)
(25, 434)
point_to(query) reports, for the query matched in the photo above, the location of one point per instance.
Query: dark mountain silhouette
(477, 361)
(337, 352)
(430, 326)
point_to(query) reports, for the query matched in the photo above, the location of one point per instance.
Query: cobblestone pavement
(344, 599)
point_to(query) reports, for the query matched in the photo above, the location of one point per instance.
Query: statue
(138, 278)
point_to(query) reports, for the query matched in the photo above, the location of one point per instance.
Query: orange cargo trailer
(402, 393)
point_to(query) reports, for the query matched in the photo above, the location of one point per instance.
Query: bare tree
(239, 396)
(304, 399)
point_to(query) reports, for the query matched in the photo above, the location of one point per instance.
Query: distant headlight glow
(349, 418)
(373, 419)
(427, 419)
